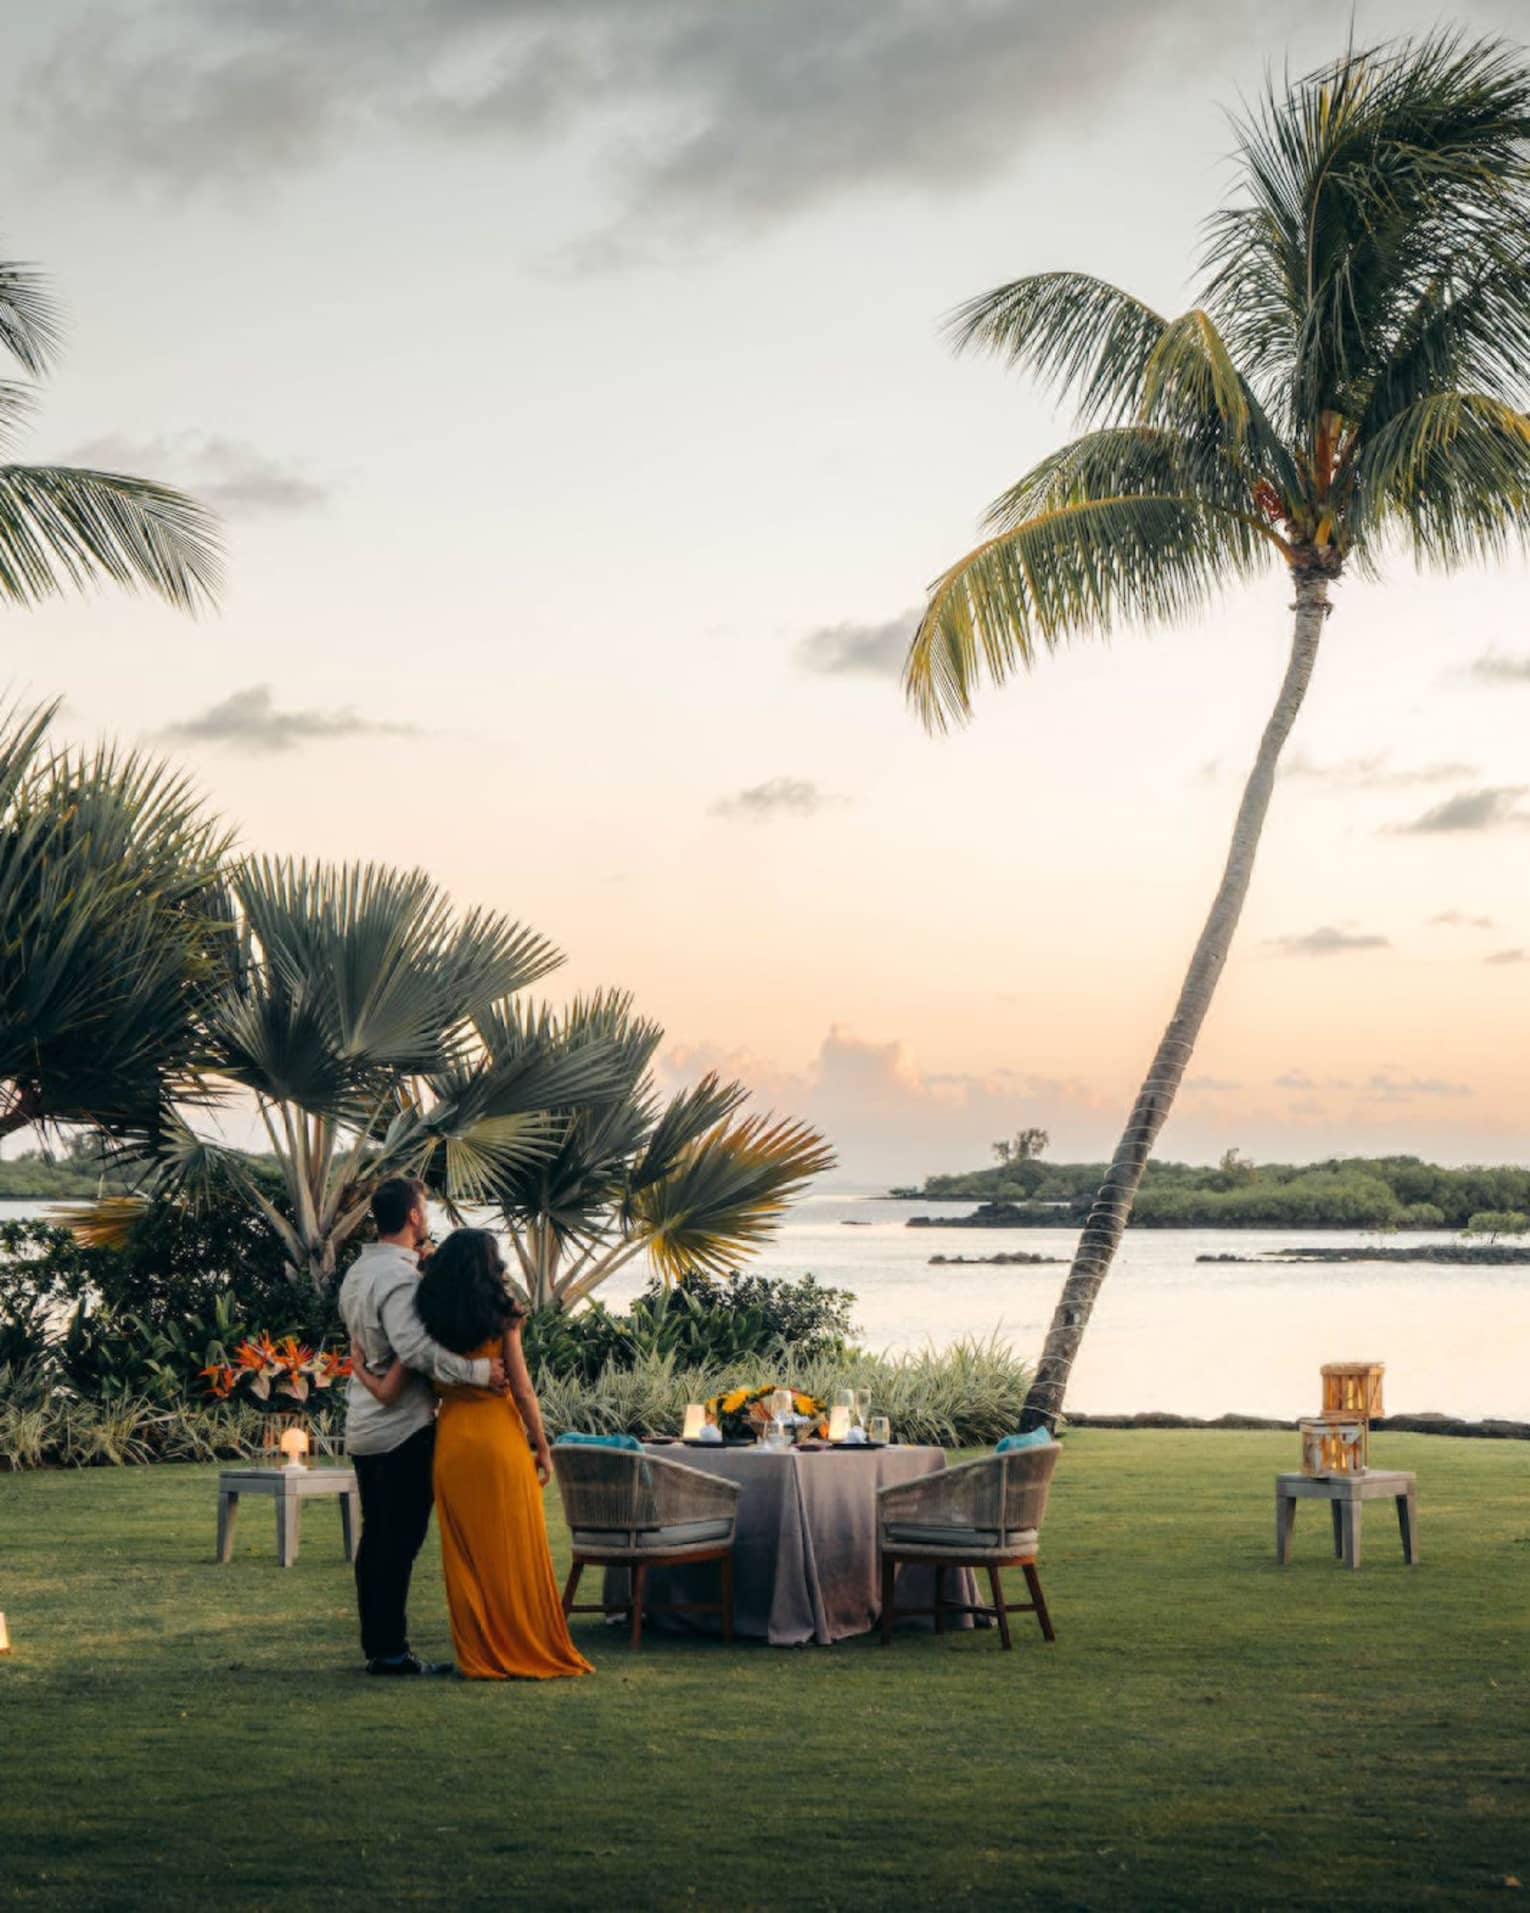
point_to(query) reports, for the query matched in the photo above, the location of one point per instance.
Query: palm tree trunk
(1113, 1204)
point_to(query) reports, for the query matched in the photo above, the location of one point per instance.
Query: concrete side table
(1345, 1494)
(289, 1488)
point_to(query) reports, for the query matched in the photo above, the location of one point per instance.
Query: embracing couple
(418, 1318)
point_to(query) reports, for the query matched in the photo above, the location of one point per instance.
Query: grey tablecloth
(805, 1566)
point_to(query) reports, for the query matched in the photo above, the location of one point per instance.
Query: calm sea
(1169, 1333)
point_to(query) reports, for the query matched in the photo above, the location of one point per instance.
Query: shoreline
(1490, 1428)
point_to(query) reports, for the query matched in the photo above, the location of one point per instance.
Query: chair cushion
(573, 1440)
(935, 1534)
(1032, 1438)
(680, 1534)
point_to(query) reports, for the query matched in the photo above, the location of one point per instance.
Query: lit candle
(5, 1636)
(295, 1446)
(839, 1423)
(695, 1421)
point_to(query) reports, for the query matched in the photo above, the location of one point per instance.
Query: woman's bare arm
(384, 1388)
(525, 1397)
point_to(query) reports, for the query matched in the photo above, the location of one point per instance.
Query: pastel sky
(570, 377)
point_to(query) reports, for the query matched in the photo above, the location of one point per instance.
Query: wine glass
(862, 1405)
(781, 1404)
(879, 1429)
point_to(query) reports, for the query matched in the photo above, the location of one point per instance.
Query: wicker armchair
(982, 1514)
(626, 1509)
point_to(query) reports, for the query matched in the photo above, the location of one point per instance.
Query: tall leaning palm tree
(63, 527)
(1351, 383)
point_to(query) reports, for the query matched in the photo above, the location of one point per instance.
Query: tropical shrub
(966, 1395)
(701, 1321)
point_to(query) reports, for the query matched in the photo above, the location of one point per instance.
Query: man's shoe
(410, 1666)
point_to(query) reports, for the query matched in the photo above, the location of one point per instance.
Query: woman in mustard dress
(491, 1465)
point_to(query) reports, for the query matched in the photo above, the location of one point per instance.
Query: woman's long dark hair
(462, 1298)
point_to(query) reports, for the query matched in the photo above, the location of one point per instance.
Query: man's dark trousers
(396, 1499)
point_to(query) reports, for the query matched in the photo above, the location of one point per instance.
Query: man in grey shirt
(392, 1446)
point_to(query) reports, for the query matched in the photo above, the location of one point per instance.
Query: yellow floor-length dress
(507, 1620)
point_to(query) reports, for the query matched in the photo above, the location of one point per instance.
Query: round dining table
(805, 1562)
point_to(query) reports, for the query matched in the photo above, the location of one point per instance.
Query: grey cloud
(858, 650)
(1501, 667)
(1386, 1087)
(1295, 1079)
(777, 797)
(1373, 773)
(1328, 941)
(1515, 955)
(727, 115)
(1488, 809)
(231, 476)
(1458, 920)
(249, 720)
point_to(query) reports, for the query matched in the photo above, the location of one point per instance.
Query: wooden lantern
(1353, 1388)
(1335, 1444)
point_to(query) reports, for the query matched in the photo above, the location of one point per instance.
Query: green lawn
(1208, 1730)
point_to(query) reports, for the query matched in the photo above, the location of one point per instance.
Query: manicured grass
(1208, 1730)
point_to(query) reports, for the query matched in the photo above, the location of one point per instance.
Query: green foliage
(111, 919)
(1496, 1222)
(969, 1393)
(699, 1322)
(1351, 375)
(43, 1426)
(1360, 1192)
(64, 528)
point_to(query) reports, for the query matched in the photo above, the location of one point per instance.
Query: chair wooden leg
(940, 1597)
(996, 1587)
(727, 1597)
(571, 1585)
(1338, 1530)
(1033, 1582)
(639, 1575)
(889, 1579)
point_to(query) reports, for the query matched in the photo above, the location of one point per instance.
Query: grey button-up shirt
(377, 1308)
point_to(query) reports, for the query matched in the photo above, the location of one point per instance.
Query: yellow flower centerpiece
(743, 1414)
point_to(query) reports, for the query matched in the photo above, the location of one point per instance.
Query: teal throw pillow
(597, 1441)
(1032, 1438)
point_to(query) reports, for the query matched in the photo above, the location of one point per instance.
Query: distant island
(1343, 1192)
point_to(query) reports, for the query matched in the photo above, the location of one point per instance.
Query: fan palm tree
(1351, 383)
(63, 527)
(345, 1012)
(687, 1182)
(111, 917)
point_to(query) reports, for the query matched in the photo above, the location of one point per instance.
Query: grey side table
(1346, 1494)
(289, 1488)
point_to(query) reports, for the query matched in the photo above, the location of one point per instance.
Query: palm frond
(727, 1192)
(31, 325)
(1363, 183)
(1075, 570)
(1451, 475)
(1078, 333)
(61, 527)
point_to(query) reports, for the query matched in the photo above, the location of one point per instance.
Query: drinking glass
(879, 1429)
(845, 1398)
(862, 1405)
(781, 1404)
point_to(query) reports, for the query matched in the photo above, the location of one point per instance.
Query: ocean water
(1169, 1333)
